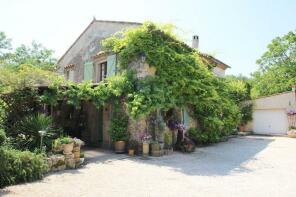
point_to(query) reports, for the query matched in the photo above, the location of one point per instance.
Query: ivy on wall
(182, 79)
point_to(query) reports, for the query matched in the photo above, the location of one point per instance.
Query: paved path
(243, 166)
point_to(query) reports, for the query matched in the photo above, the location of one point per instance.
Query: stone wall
(89, 44)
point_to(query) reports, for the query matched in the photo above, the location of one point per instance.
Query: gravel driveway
(242, 166)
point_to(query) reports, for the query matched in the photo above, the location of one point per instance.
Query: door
(100, 125)
(272, 121)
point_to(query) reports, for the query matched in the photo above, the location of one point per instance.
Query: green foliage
(5, 44)
(25, 76)
(35, 54)
(182, 79)
(2, 137)
(18, 96)
(133, 144)
(18, 167)
(26, 132)
(198, 136)
(168, 139)
(239, 90)
(118, 125)
(277, 72)
(66, 140)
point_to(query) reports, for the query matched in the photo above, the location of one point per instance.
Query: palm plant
(27, 131)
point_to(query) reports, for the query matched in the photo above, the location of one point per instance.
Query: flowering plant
(291, 112)
(78, 142)
(145, 137)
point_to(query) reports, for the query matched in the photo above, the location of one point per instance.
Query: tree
(277, 72)
(35, 54)
(5, 43)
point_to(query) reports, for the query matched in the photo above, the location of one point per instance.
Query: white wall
(219, 71)
(270, 114)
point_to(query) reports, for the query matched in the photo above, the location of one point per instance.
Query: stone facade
(88, 49)
(89, 44)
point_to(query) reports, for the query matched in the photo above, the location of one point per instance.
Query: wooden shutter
(111, 65)
(88, 70)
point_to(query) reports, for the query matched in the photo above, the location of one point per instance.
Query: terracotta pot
(76, 148)
(68, 148)
(77, 155)
(119, 146)
(292, 135)
(242, 128)
(131, 152)
(145, 148)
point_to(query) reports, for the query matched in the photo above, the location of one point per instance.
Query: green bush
(118, 126)
(66, 140)
(168, 139)
(200, 137)
(2, 137)
(26, 132)
(18, 167)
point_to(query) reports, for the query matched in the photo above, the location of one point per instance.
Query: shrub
(2, 137)
(66, 140)
(198, 136)
(133, 144)
(168, 139)
(17, 166)
(118, 126)
(26, 132)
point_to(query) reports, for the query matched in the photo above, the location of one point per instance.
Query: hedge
(20, 166)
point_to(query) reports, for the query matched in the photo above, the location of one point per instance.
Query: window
(103, 71)
(67, 74)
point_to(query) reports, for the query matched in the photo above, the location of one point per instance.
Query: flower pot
(76, 148)
(242, 128)
(292, 134)
(76, 155)
(131, 152)
(119, 146)
(145, 148)
(68, 148)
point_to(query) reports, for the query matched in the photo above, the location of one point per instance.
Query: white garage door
(270, 122)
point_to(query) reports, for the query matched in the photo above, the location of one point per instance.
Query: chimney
(195, 42)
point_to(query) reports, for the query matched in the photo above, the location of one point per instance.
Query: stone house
(85, 60)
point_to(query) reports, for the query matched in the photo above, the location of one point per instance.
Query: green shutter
(111, 65)
(186, 118)
(88, 69)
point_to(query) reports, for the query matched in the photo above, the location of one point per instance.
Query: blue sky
(236, 32)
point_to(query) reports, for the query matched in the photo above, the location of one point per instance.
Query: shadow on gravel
(216, 160)
(219, 159)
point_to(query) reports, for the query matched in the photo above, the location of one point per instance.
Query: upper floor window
(103, 70)
(69, 72)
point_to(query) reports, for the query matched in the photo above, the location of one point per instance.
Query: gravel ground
(242, 166)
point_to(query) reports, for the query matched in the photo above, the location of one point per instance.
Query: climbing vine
(182, 79)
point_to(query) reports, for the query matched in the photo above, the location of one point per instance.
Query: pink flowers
(145, 137)
(291, 112)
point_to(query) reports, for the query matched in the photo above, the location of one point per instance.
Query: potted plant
(155, 149)
(76, 150)
(118, 130)
(68, 144)
(168, 141)
(145, 138)
(132, 146)
(292, 132)
(57, 146)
